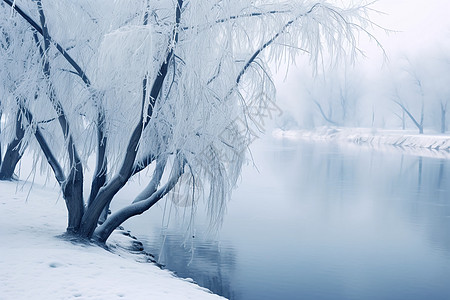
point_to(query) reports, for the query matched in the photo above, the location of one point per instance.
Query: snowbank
(430, 145)
(36, 264)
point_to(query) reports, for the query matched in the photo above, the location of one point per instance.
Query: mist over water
(320, 221)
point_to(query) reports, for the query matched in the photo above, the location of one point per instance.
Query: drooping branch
(104, 231)
(162, 73)
(254, 56)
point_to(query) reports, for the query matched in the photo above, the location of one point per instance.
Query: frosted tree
(173, 86)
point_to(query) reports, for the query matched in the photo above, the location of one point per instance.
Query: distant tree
(328, 117)
(418, 82)
(438, 89)
(167, 84)
(417, 123)
(335, 94)
(443, 106)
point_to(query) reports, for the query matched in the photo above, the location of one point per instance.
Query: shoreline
(427, 145)
(36, 262)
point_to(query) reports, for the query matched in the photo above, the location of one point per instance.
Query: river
(317, 220)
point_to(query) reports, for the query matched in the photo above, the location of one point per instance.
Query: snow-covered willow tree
(174, 86)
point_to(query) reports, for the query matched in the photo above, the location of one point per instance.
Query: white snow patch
(429, 145)
(36, 264)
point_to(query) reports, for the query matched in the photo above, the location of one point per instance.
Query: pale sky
(419, 24)
(415, 25)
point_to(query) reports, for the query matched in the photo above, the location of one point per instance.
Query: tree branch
(236, 17)
(61, 50)
(323, 113)
(154, 182)
(143, 163)
(99, 178)
(269, 42)
(51, 159)
(104, 231)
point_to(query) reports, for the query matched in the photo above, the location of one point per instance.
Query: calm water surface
(318, 221)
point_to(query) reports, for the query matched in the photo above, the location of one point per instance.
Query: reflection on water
(324, 221)
(212, 265)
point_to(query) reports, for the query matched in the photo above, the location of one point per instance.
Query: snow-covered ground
(428, 144)
(36, 264)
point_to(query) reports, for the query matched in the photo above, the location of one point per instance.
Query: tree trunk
(403, 120)
(73, 196)
(72, 187)
(91, 216)
(443, 117)
(101, 164)
(13, 153)
(99, 178)
(422, 114)
(0, 135)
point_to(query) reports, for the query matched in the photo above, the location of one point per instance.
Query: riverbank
(429, 144)
(36, 264)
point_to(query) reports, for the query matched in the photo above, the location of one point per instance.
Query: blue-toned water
(318, 221)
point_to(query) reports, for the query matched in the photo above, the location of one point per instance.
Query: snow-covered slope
(36, 264)
(433, 145)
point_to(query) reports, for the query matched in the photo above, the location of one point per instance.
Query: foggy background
(412, 68)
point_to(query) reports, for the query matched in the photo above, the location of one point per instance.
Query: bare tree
(443, 106)
(326, 116)
(418, 122)
(336, 94)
